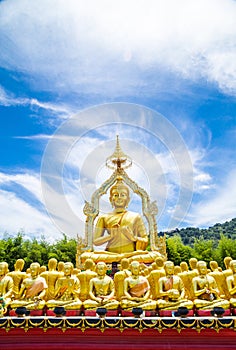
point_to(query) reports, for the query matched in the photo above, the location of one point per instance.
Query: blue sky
(73, 74)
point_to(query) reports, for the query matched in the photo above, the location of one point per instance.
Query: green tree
(177, 251)
(204, 250)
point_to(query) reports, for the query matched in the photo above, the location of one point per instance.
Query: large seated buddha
(122, 232)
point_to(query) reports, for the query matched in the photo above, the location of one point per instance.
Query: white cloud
(87, 46)
(60, 111)
(17, 215)
(219, 208)
(28, 181)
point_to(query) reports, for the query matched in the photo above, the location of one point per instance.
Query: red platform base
(68, 313)
(127, 313)
(169, 313)
(205, 313)
(92, 313)
(56, 339)
(12, 313)
(116, 333)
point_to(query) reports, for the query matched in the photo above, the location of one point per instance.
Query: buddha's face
(34, 270)
(101, 269)
(135, 268)
(202, 268)
(169, 268)
(68, 269)
(3, 269)
(233, 266)
(119, 197)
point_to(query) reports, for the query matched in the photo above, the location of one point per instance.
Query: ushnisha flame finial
(118, 160)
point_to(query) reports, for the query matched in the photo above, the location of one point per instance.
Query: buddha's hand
(113, 232)
(173, 294)
(99, 300)
(126, 230)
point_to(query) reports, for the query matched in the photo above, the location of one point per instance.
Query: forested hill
(189, 234)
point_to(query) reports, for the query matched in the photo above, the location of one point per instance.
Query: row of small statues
(160, 286)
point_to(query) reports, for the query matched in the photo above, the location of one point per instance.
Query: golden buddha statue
(67, 290)
(18, 276)
(156, 273)
(123, 232)
(136, 290)
(231, 283)
(60, 267)
(193, 272)
(219, 277)
(85, 277)
(171, 290)
(158, 264)
(42, 269)
(32, 291)
(120, 276)
(6, 284)
(187, 279)
(51, 276)
(101, 290)
(206, 291)
(227, 271)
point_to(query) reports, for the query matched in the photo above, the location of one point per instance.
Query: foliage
(190, 234)
(13, 248)
(214, 243)
(177, 251)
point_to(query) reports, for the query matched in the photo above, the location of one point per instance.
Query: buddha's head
(202, 267)
(101, 268)
(213, 265)
(169, 267)
(135, 267)
(3, 268)
(184, 266)
(159, 262)
(119, 195)
(60, 266)
(68, 268)
(52, 264)
(227, 260)
(232, 265)
(89, 264)
(19, 264)
(34, 269)
(124, 264)
(193, 263)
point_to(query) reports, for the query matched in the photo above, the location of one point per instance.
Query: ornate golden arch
(119, 161)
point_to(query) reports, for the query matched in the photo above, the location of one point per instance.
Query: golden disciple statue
(85, 277)
(137, 290)
(32, 291)
(67, 290)
(156, 273)
(231, 283)
(101, 290)
(206, 291)
(51, 277)
(18, 276)
(120, 276)
(6, 284)
(171, 290)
